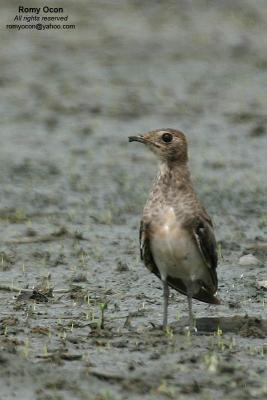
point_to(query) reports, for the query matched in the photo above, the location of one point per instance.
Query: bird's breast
(169, 239)
(174, 250)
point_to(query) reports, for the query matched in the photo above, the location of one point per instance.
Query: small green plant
(219, 332)
(220, 340)
(25, 350)
(221, 344)
(166, 390)
(105, 395)
(262, 351)
(169, 332)
(219, 250)
(103, 307)
(232, 343)
(45, 351)
(211, 361)
(178, 316)
(18, 216)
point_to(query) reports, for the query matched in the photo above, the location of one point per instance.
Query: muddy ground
(72, 191)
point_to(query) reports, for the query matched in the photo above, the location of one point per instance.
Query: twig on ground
(8, 288)
(61, 234)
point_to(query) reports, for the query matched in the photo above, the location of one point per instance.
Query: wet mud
(79, 314)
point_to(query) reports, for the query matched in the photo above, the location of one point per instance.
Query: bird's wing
(145, 252)
(204, 294)
(201, 230)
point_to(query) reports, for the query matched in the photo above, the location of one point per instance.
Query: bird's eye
(166, 137)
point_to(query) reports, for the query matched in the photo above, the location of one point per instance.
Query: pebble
(248, 260)
(122, 266)
(261, 284)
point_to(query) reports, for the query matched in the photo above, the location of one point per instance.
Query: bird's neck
(174, 175)
(171, 186)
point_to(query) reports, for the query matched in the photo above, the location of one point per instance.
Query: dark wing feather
(145, 253)
(206, 242)
(146, 256)
(202, 232)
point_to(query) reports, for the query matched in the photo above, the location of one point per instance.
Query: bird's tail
(205, 295)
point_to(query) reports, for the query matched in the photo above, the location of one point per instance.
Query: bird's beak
(139, 138)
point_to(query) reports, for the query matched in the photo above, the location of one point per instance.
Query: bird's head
(169, 145)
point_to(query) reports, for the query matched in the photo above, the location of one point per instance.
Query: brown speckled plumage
(176, 230)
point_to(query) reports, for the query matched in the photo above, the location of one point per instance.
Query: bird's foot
(168, 331)
(190, 330)
(157, 327)
(164, 327)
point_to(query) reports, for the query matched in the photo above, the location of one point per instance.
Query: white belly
(176, 254)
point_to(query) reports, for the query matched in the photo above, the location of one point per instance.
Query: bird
(177, 241)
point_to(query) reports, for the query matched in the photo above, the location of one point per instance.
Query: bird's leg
(166, 301)
(191, 327)
(191, 317)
